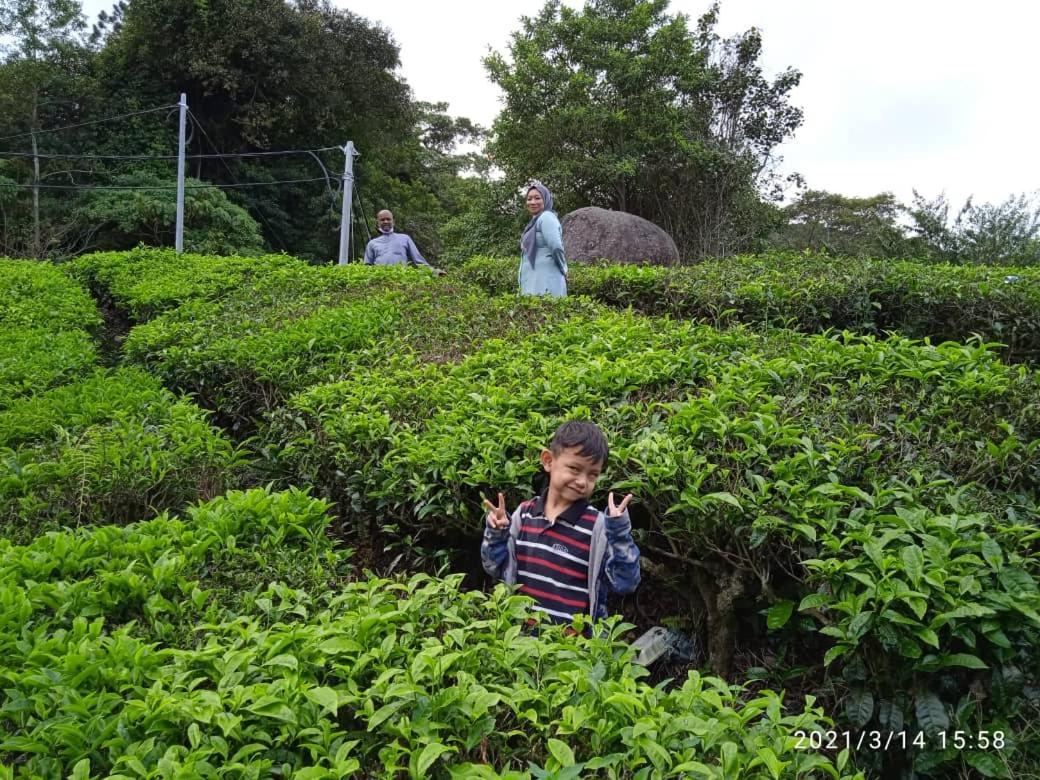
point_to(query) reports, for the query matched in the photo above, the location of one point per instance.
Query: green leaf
(326, 698)
(992, 553)
(859, 706)
(931, 714)
(928, 636)
(813, 601)
(963, 659)
(726, 498)
(779, 614)
(913, 563)
(561, 751)
(835, 652)
(429, 754)
(986, 763)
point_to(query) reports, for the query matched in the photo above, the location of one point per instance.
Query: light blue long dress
(548, 277)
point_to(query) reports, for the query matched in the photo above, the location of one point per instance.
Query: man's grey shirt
(393, 249)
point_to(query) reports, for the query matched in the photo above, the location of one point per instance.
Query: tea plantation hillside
(848, 516)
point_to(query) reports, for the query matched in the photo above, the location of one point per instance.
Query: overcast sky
(941, 95)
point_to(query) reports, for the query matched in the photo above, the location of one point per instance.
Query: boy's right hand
(497, 517)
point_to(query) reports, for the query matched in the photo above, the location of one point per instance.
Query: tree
(41, 83)
(121, 219)
(841, 225)
(264, 75)
(988, 234)
(624, 106)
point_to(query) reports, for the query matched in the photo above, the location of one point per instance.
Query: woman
(543, 267)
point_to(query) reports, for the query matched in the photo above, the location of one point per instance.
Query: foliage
(767, 468)
(288, 325)
(112, 447)
(120, 219)
(44, 78)
(621, 105)
(45, 327)
(846, 226)
(40, 295)
(274, 75)
(786, 483)
(1007, 233)
(488, 222)
(145, 282)
(816, 293)
(384, 677)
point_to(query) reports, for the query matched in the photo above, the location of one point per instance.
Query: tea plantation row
(814, 293)
(80, 443)
(132, 652)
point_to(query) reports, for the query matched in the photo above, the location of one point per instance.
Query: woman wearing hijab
(543, 267)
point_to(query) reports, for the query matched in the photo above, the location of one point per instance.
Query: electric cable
(165, 188)
(84, 124)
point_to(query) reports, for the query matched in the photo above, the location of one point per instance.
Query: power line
(84, 124)
(165, 156)
(155, 187)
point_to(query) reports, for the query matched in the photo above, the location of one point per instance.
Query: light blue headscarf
(527, 238)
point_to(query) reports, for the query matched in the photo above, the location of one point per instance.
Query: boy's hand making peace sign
(613, 510)
(497, 517)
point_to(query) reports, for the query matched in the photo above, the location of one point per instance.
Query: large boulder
(591, 233)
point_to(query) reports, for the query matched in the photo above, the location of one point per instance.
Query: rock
(591, 233)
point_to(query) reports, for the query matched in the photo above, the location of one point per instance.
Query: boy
(560, 550)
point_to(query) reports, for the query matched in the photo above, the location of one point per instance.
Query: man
(390, 248)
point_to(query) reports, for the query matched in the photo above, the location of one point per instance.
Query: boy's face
(572, 476)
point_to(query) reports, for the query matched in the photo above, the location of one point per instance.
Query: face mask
(386, 229)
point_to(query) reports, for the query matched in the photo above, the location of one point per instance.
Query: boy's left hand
(613, 510)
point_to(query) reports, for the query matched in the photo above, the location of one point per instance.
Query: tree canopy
(620, 104)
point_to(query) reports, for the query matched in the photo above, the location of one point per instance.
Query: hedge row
(241, 349)
(382, 679)
(80, 444)
(814, 293)
(46, 329)
(112, 447)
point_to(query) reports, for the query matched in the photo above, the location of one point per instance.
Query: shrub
(815, 293)
(110, 448)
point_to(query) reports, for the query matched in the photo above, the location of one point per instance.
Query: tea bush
(380, 679)
(146, 281)
(246, 353)
(815, 293)
(46, 323)
(38, 295)
(112, 447)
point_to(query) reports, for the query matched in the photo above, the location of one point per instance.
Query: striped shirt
(553, 558)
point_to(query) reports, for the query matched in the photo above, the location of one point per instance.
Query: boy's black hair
(585, 435)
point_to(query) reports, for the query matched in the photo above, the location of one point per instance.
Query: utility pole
(179, 239)
(348, 197)
(37, 250)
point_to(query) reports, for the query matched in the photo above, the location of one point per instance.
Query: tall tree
(620, 104)
(41, 76)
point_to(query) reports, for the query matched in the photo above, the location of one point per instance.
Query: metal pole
(179, 241)
(348, 197)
